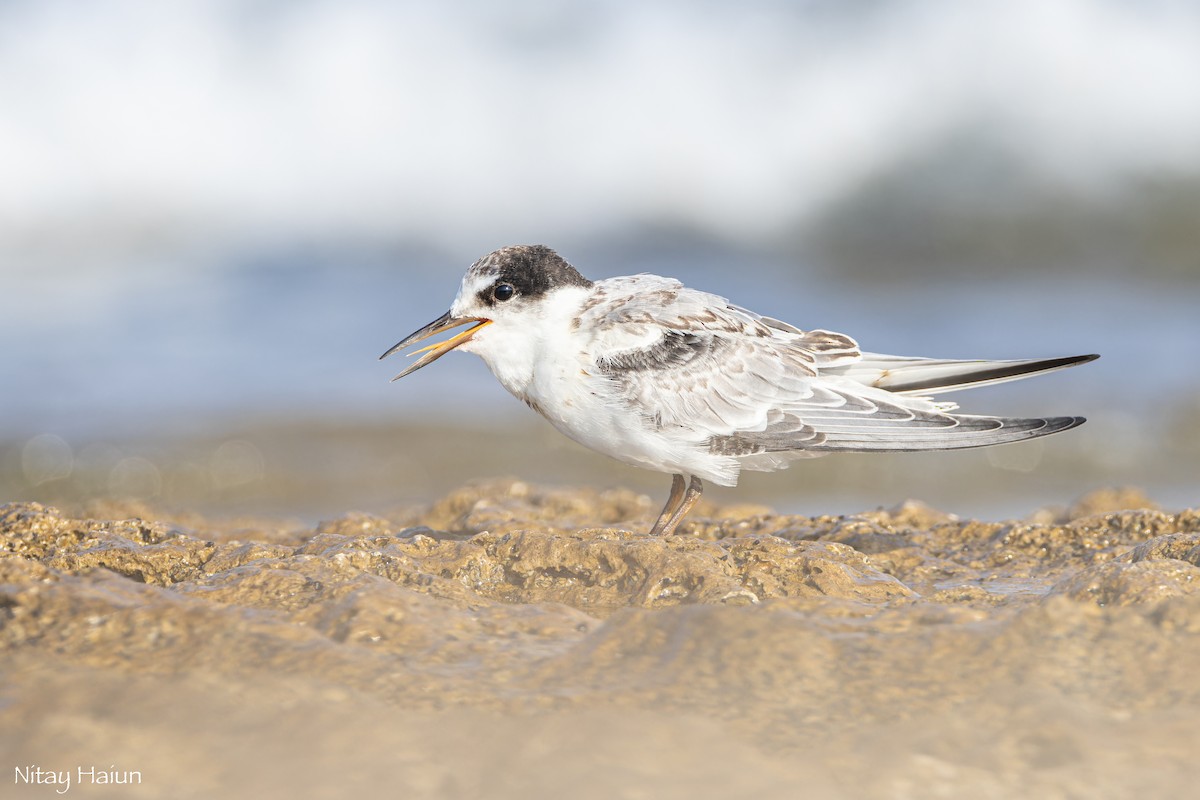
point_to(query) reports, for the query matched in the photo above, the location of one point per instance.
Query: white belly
(578, 405)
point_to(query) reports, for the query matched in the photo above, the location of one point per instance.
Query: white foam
(125, 123)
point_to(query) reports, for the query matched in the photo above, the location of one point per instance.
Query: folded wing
(765, 392)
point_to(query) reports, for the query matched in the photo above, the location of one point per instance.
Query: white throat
(525, 341)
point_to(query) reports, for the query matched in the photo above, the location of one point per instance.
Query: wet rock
(1121, 584)
(868, 536)
(603, 569)
(1180, 546)
(1163, 567)
(357, 524)
(506, 506)
(1108, 501)
(32, 530)
(887, 651)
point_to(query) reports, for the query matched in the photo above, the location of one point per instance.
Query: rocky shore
(510, 641)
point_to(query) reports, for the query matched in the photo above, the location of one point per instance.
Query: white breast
(547, 361)
(569, 391)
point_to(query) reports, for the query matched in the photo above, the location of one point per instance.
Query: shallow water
(255, 387)
(498, 642)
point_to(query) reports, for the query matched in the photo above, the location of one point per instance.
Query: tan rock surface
(513, 642)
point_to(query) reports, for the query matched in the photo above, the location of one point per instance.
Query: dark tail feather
(903, 375)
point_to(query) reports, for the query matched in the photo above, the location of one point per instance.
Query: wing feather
(762, 391)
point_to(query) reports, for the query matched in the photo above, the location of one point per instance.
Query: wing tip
(971, 432)
(1064, 423)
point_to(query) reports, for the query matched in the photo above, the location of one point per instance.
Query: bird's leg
(668, 511)
(694, 490)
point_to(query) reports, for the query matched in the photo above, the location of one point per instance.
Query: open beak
(435, 351)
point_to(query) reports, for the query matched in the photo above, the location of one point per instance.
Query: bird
(677, 380)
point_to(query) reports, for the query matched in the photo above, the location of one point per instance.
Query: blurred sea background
(214, 216)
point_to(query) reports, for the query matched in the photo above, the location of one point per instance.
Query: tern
(680, 381)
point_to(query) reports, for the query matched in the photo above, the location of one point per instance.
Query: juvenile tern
(654, 374)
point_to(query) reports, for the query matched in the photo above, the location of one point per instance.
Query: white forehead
(474, 282)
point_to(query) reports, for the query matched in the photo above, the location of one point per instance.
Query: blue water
(300, 334)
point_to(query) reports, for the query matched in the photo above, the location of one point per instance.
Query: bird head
(503, 294)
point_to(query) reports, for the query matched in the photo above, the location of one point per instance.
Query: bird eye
(503, 291)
